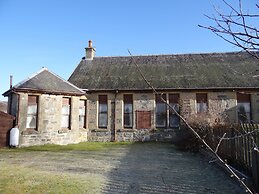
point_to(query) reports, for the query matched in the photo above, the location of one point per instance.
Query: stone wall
(49, 129)
(221, 108)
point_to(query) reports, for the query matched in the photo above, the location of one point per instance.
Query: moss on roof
(187, 71)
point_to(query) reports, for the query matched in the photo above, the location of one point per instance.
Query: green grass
(84, 146)
(19, 179)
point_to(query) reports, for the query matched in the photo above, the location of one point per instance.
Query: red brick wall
(6, 123)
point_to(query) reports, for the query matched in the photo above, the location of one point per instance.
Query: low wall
(161, 135)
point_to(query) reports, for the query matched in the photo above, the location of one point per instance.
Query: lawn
(110, 168)
(19, 178)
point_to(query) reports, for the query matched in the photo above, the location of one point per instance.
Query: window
(243, 108)
(143, 119)
(160, 111)
(103, 111)
(66, 112)
(202, 103)
(128, 110)
(174, 120)
(32, 112)
(82, 114)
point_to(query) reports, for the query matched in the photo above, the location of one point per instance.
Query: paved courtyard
(135, 168)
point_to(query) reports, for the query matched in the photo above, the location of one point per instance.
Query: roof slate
(46, 82)
(186, 71)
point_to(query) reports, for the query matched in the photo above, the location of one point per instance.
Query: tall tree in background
(238, 27)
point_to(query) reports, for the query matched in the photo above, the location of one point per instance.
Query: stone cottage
(106, 98)
(122, 107)
(48, 109)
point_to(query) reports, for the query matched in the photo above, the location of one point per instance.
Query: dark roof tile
(46, 82)
(187, 71)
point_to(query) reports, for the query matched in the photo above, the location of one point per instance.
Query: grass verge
(19, 179)
(84, 146)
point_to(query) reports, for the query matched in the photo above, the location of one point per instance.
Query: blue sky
(54, 33)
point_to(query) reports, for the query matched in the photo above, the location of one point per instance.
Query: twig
(235, 28)
(221, 139)
(191, 129)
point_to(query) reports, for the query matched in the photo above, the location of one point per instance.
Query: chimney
(11, 81)
(90, 51)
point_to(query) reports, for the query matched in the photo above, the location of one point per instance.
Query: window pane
(175, 106)
(82, 103)
(174, 98)
(65, 121)
(102, 99)
(160, 108)
(128, 120)
(103, 111)
(127, 108)
(32, 109)
(66, 105)
(243, 97)
(32, 99)
(201, 102)
(82, 111)
(103, 120)
(65, 110)
(81, 121)
(244, 112)
(201, 98)
(103, 108)
(128, 98)
(202, 107)
(66, 101)
(174, 121)
(31, 121)
(32, 112)
(160, 120)
(160, 115)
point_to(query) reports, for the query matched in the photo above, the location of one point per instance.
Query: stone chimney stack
(90, 51)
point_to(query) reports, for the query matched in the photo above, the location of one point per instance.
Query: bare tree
(238, 27)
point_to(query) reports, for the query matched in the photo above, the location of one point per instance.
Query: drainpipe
(114, 119)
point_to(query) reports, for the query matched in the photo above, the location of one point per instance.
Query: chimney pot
(11, 81)
(89, 44)
(89, 51)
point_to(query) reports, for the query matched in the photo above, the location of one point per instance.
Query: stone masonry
(49, 129)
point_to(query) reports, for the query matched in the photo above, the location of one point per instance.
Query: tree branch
(190, 128)
(235, 29)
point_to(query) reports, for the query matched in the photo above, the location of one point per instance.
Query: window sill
(30, 131)
(125, 130)
(99, 130)
(64, 130)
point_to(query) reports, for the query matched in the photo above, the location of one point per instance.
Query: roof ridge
(30, 77)
(175, 54)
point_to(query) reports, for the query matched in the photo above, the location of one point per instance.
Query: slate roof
(46, 82)
(181, 71)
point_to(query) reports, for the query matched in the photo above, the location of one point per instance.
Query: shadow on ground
(160, 168)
